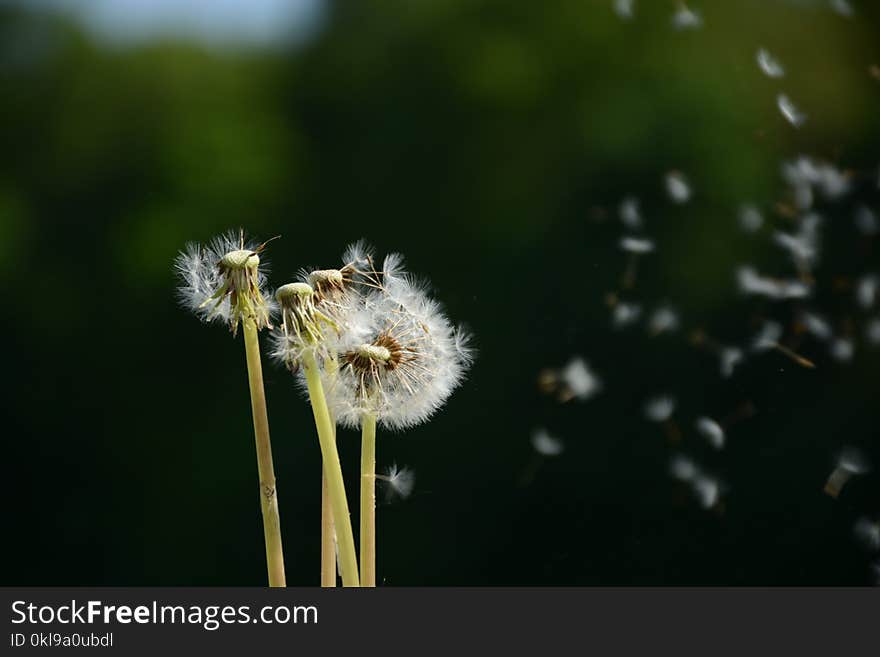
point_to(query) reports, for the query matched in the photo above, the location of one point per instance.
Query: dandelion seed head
(225, 281)
(711, 431)
(769, 64)
(660, 408)
(790, 111)
(545, 444)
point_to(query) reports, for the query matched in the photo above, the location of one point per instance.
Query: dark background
(490, 142)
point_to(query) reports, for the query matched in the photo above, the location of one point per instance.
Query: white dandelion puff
(851, 462)
(769, 64)
(545, 444)
(399, 358)
(660, 408)
(636, 245)
(790, 111)
(685, 18)
(677, 187)
(663, 320)
(711, 431)
(400, 482)
(867, 533)
(630, 213)
(225, 281)
(750, 218)
(866, 291)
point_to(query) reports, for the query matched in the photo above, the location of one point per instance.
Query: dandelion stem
(332, 471)
(368, 500)
(268, 494)
(328, 538)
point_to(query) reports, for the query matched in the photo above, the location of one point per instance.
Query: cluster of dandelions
(369, 346)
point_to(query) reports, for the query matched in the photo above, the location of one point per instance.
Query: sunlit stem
(332, 471)
(368, 500)
(328, 531)
(268, 493)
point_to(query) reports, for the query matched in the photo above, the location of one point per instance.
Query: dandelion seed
(630, 214)
(664, 319)
(790, 111)
(711, 431)
(624, 9)
(683, 468)
(750, 219)
(707, 490)
(636, 245)
(686, 19)
(677, 187)
(866, 221)
(574, 381)
(851, 462)
(659, 409)
(769, 64)
(843, 8)
(768, 336)
(730, 357)
(545, 444)
(866, 291)
(842, 349)
(803, 197)
(867, 533)
(400, 482)
(750, 282)
(802, 249)
(826, 178)
(816, 326)
(872, 331)
(625, 314)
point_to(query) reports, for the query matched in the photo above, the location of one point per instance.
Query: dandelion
(769, 64)
(790, 111)
(711, 431)
(664, 319)
(399, 360)
(867, 533)
(545, 444)
(851, 462)
(750, 219)
(677, 187)
(400, 481)
(630, 214)
(225, 281)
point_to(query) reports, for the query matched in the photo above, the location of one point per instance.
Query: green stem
(368, 500)
(328, 538)
(333, 472)
(268, 494)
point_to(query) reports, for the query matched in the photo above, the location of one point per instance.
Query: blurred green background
(490, 142)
